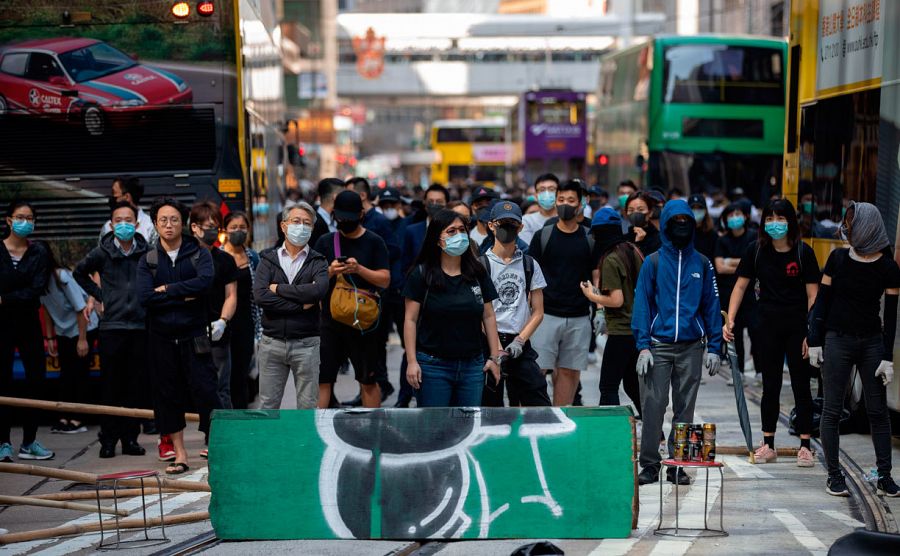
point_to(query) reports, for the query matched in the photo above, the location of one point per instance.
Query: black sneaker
(837, 486)
(887, 487)
(386, 390)
(683, 478)
(648, 475)
(59, 428)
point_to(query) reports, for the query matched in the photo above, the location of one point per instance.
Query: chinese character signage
(850, 47)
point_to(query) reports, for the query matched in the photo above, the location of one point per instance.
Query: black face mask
(638, 219)
(210, 236)
(595, 205)
(481, 213)
(237, 237)
(566, 212)
(680, 233)
(433, 209)
(507, 233)
(347, 226)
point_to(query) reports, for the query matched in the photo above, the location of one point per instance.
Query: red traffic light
(602, 160)
(206, 8)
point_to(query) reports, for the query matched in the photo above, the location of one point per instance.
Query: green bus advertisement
(186, 96)
(696, 113)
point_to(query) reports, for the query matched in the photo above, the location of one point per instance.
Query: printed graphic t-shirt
(511, 305)
(782, 276)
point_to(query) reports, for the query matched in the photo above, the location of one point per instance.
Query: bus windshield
(94, 61)
(471, 135)
(722, 74)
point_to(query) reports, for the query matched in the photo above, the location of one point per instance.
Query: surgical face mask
(546, 199)
(736, 222)
(298, 234)
(456, 245)
(638, 219)
(433, 208)
(507, 233)
(680, 233)
(347, 226)
(237, 237)
(807, 206)
(699, 215)
(566, 212)
(776, 230)
(124, 231)
(622, 200)
(391, 213)
(210, 236)
(595, 205)
(22, 228)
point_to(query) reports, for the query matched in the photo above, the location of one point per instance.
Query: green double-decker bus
(697, 113)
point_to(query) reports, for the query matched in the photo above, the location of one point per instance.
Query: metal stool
(693, 531)
(114, 478)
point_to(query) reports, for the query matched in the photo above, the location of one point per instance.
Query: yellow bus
(843, 118)
(470, 151)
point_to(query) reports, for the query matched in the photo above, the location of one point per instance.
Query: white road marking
(803, 535)
(744, 469)
(88, 539)
(843, 518)
(669, 547)
(649, 515)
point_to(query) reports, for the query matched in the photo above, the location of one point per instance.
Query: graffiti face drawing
(409, 474)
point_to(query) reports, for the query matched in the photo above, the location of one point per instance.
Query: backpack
(352, 306)
(152, 258)
(527, 264)
(546, 231)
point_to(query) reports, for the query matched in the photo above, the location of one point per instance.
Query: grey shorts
(563, 342)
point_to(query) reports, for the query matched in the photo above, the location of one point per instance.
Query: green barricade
(423, 473)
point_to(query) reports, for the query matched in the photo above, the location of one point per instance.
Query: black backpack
(152, 258)
(527, 263)
(547, 230)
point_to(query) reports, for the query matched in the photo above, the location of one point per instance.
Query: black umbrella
(739, 398)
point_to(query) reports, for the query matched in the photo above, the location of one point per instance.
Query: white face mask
(391, 213)
(298, 234)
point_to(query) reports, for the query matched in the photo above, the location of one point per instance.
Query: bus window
(471, 135)
(727, 74)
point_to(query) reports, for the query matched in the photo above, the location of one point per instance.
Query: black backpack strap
(545, 238)
(483, 259)
(528, 265)
(590, 239)
(152, 259)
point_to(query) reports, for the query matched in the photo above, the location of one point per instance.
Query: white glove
(886, 371)
(644, 362)
(217, 329)
(600, 322)
(514, 349)
(712, 362)
(816, 356)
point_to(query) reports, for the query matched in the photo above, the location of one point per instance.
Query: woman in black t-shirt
(846, 321)
(448, 302)
(640, 209)
(730, 248)
(785, 274)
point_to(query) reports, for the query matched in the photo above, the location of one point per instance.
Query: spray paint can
(709, 442)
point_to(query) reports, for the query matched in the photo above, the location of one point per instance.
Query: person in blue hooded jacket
(676, 308)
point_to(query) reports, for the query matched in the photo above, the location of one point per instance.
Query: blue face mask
(776, 230)
(124, 231)
(546, 199)
(22, 228)
(736, 222)
(699, 214)
(298, 234)
(456, 245)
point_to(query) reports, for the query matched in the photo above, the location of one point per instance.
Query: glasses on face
(168, 221)
(22, 218)
(294, 221)
(450, 232)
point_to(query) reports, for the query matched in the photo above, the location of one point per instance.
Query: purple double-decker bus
(549, 130)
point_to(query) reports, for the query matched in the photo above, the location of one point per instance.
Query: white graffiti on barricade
(429, 477)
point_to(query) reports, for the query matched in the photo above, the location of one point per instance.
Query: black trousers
(781, 335)
(123, 364)
(182, 381)
(619, 365)
(842, 352)
(21, 330)
(74, 371)
(526, 384)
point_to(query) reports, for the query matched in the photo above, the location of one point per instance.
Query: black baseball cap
(506, 210)
(481, 193)
(389, 195)
(697, 200)
(347, 205)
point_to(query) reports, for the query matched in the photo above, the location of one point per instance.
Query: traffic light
(602, 161)
(295, 156)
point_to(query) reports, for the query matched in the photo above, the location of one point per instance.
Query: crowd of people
(488, 295)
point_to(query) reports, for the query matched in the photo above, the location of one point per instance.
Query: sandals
(204, 453)
(177, 468)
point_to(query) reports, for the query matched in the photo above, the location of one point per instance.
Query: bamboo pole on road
(67, 407)
(28, 501)
(91, 478)
(77, 529)
(105, 493)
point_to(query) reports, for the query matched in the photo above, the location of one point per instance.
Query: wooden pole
(26, 501)
(90, 478)
(67, 407)
(105, 493)
(742, 451)
(77, 529)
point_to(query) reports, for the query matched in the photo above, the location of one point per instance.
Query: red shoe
(166, 448)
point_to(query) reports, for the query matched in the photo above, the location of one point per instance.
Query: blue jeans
(450, 382)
